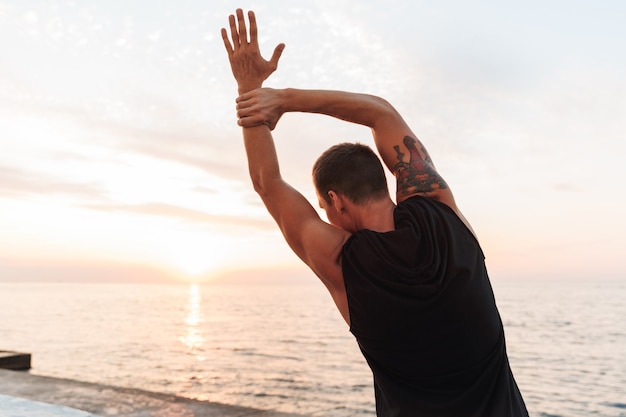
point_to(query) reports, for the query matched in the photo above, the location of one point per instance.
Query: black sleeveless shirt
(423, 313)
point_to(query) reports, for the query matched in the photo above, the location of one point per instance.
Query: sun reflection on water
(194, 337)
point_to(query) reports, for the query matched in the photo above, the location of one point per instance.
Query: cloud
(567, 188)
(186, 214)
(191, 148)
(16, 182)
(35, 270)
(207, 190)
(145, 124)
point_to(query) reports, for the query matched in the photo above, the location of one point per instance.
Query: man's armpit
(418, 176)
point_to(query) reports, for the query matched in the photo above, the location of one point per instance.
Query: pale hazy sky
(120, 157)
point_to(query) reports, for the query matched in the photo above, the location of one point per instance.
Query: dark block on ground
(14, 360)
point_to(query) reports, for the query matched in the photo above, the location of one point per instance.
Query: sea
(286, 348)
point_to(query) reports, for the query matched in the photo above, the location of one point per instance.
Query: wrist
(287, 97)
(245, 87)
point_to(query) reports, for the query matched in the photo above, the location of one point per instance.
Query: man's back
(417, 297)
(422, 309)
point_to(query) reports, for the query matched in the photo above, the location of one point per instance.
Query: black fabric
(423, 313)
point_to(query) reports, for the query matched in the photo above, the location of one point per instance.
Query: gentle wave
(286, 348)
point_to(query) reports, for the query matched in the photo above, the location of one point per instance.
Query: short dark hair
(351, 169)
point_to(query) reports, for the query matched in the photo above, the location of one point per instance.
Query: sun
(194, 262)
(191, 253)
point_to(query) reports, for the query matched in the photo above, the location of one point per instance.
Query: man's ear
(336, 201)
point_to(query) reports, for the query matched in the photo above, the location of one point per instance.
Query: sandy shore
(103, 400)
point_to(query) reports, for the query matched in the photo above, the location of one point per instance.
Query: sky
(121, 160)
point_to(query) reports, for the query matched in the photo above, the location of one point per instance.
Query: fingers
(238, 30)
(253, 28)
(233, 31)
(247, 118)
(244, 97)
(227, 45)
(243, 34)
(246, 107)
(278, 51)
(245, 113)
(251, 121)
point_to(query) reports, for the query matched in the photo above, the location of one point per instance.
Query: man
(409, 279)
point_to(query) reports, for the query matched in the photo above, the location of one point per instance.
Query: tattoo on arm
(418, 176)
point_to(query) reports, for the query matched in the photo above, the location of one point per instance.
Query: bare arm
(404, 155)
(316, 242)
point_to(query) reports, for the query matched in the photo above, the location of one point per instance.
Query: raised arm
(404, 155)
(316, 242)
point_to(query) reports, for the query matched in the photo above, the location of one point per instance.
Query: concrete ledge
(19, 407)
(105, 401)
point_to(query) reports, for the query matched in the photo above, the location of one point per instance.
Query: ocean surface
(286, 348)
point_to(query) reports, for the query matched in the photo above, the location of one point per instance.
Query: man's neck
(376, 215)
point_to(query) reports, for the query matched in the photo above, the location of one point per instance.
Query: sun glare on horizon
(194, 261)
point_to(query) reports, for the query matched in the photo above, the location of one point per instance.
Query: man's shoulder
(415, 206)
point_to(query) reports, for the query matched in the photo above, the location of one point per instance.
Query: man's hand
(262, 106)
(249, 67)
